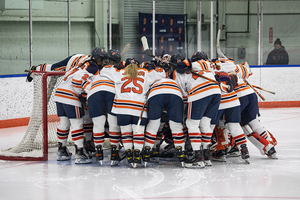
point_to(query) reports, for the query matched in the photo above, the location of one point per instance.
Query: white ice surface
(262, 179)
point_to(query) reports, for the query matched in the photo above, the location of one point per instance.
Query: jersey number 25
(137, 89)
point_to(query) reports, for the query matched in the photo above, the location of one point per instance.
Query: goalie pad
(221, 135)
(273, 140)
(262, 144)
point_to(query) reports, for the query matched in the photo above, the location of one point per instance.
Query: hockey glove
(82, 98)
(229, 85)
(222, 76)
(29, 78)
(183, 66)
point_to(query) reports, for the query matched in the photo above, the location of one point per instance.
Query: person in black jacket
(278, 56)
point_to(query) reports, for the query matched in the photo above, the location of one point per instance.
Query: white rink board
(16, 98)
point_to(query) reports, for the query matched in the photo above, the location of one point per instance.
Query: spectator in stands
(278, 56)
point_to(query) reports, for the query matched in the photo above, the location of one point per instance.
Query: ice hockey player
(203, 102)
(253, 129)
(132, 85)
(100, 100)
(257, 134)
(164, 94)
(229, 109)
(69, 98)
(83, 61)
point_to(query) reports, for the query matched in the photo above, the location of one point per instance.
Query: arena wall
(16, 99)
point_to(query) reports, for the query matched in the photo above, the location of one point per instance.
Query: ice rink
(263, 178)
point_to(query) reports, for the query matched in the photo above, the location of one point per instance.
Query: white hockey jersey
(165, 86)
(243, 71)
(77, 60)
(130, 94)
(101, 83)
(75, 82)
(197, 87)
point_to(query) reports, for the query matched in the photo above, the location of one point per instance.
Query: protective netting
(32, 143)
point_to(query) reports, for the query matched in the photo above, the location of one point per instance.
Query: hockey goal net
(41, 132)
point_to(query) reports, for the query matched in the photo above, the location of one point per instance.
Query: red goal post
(41, 130)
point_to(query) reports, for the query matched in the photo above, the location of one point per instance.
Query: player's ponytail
(131, 71)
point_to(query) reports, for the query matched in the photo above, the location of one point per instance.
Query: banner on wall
(169, 33)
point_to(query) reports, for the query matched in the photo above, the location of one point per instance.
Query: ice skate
(272, 153)
(99, 154)
(170, 148)
(114, 156)
(146, 155)
(194, 159)
(180, 155)
(154, 154)
(136, 158)
(219, 155)
(245, 153)
(234, 152)
(207, 156)
(82, 157)
(90, 148)
(63, 153)
(129, 156)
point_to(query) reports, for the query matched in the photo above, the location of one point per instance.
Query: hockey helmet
(200, 55)
(131, 60)
(176, 57)
(99, 54)
(114, 55)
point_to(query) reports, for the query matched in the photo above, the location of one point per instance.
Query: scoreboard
(169, 34)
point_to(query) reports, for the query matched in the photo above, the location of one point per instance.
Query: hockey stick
(29, 70)
(263, 89)
(263, 98)
(220, 53)
(209, 79)
(164, 155)
(125, 50)
(141, 115)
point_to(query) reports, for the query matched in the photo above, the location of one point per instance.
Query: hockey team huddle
(203, 109)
